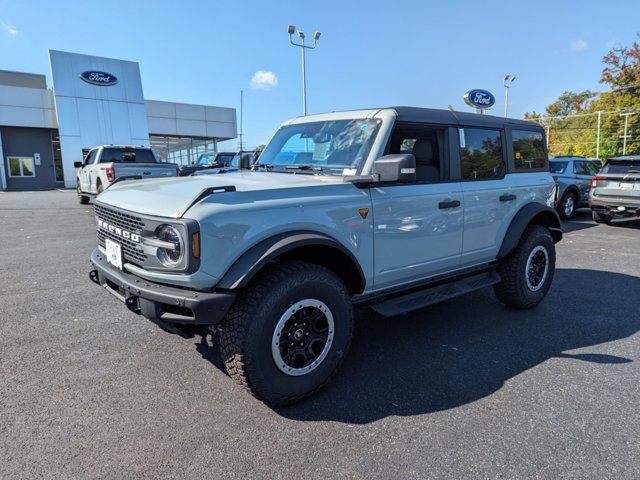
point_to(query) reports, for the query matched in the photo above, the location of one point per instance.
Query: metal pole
(241, 111)
(506, 100)
(304, 80)
(624, 138)
(598, 135)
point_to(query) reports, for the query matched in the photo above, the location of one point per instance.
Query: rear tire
(99, 188)
(601, 217)
(567, 206)
(528, 271)
(288, 332)
(83, 199)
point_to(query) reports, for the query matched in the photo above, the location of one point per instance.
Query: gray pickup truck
(615, 190)
(108, 164)
(393, 209)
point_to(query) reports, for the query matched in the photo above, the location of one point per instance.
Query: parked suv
(573, 176)
(615, 191)
(393, 208)
(107, 164)
(206, 161)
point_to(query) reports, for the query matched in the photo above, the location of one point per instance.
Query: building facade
(93, 101)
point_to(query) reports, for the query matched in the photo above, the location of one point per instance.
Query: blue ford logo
(103, 79)
(479, 98)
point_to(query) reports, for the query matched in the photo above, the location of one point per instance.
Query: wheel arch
(530, 214)
(573, 190)
(309, 246)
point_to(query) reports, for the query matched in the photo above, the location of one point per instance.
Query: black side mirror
(398, 167)
(77, 164)
(245, 161)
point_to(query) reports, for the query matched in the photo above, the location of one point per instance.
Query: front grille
(131, 251)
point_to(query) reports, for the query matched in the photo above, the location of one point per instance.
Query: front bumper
(160, 302)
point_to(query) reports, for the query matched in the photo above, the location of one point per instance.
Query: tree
(570, 103)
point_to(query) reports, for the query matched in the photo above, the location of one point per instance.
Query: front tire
(567, 206)
(288, 332)
(601, 217)
(83, 199)
(528, 271)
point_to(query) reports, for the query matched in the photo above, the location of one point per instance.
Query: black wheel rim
(537, 267)
(302, 337)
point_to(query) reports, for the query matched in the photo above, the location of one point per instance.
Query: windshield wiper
(316, 170)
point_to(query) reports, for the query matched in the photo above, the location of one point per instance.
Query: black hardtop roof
(621, 158)
(449, 117)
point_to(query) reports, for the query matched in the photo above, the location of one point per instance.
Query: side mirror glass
(398, 167)
(77, 164)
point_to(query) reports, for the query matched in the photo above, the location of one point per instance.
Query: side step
(429, 296)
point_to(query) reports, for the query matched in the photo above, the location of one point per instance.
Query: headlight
(170, 257)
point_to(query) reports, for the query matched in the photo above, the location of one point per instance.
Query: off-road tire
(513, 290)
(83, 199)
(246, 331)
(601, 217)
(563, 205)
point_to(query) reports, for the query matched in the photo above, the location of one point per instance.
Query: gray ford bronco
(392, 208)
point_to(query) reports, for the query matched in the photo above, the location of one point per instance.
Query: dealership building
(93, 101)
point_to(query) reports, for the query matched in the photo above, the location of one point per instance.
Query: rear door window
(127, 155)
(558, 167)
(584, 167)
(528, 150)
(481, 155)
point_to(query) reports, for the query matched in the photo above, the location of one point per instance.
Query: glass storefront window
(57, 156)
(180, 150)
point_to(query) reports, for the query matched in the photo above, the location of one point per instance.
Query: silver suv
(573, 176)
(615, 191)
(392, 209)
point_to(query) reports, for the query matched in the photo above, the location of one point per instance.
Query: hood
(169, 197)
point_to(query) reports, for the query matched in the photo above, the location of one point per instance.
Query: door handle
(449, 204)
(507, 197)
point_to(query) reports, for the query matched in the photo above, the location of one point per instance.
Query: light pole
(508, 80)
(316, 36)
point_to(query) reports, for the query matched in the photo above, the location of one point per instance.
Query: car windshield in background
(205, 159)
(557, 167)
(624, 166)
(336, 147)
(128, 155)
(225, 158)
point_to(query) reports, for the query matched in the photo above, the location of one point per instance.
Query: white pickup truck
(107, 164)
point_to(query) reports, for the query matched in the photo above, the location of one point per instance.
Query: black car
(207, 160)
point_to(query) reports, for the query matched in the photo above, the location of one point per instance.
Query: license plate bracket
(113, 253)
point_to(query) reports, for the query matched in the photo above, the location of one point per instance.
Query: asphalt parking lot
(464, 389)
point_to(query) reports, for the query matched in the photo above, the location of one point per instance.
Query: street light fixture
(291, 30)
(508, 80)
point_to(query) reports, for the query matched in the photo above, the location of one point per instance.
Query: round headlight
(170, 257)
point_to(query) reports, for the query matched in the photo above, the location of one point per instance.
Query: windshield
(337, 147)
(626, 166)
(557, 167)
(206, 159)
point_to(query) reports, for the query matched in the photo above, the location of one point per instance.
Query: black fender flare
(255, 258)
(535, 213)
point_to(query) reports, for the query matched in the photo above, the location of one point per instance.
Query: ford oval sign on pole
(103, 79)
(479, 99)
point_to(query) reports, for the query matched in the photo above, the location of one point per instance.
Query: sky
(371, 53)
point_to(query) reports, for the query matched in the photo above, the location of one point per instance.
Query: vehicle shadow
(462, 350)
(580, 221)
(626, 223)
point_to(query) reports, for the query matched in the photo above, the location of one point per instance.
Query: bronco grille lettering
(134, 237)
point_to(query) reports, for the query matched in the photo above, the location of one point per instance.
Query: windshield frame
(376, 142)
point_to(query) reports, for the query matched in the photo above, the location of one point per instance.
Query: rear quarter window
(528, 150)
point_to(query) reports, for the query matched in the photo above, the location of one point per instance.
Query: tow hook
(93, 276)
(132, 304)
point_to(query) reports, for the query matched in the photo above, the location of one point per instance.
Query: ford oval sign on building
(99, 78)
(479, 99)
